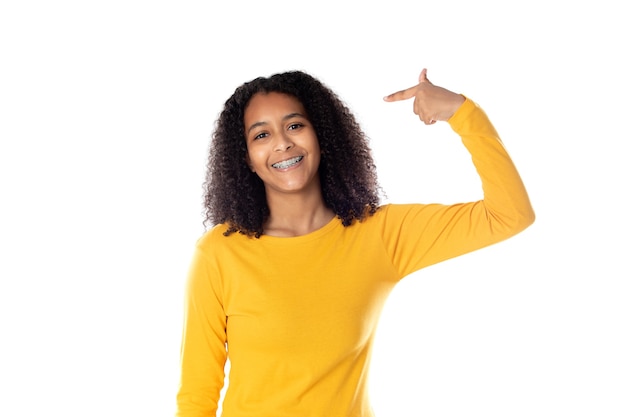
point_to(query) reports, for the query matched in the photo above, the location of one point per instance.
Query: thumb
(423, 77)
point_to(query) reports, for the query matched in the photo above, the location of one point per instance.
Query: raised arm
(422, 235)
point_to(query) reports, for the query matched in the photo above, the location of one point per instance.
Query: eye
(260, 136)
(294, 126)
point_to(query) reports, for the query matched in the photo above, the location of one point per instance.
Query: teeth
(287, 163)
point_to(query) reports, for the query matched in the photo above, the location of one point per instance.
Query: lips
(287, 162)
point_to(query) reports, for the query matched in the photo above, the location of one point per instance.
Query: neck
(296, 214)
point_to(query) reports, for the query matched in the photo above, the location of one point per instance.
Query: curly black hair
(235, 195)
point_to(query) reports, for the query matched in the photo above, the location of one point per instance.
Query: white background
(106, 110)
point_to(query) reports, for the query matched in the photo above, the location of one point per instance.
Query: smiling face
(282, 145)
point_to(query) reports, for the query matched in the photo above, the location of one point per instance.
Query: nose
(283, 143)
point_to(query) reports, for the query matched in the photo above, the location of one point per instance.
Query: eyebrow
(287, 117)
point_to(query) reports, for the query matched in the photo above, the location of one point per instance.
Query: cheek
(254, 159)
(318, 149)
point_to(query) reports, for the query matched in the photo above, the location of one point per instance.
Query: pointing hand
(431, 103)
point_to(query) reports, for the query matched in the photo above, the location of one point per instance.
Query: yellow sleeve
(505, 198)
(203, 350)
(422, 235)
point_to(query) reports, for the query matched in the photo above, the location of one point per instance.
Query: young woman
(290, 281)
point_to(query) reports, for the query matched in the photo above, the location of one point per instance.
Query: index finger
(401, 95)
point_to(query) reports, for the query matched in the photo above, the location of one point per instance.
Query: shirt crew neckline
(316, 234)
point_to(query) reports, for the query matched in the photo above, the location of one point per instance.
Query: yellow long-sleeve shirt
(297, 316)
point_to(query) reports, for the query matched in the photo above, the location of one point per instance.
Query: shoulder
(395, 210)
(397, 216)
(213, 239)
(391, 213)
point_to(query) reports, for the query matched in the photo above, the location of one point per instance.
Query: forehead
(267, 106)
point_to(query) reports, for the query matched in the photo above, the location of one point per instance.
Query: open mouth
(287, 163)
